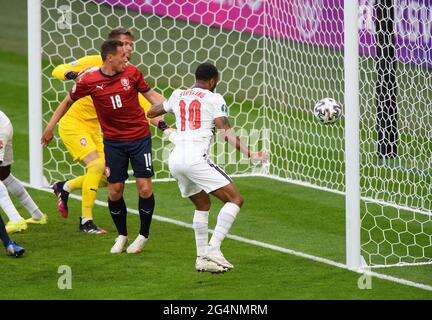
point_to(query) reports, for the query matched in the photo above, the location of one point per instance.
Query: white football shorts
(6, 152)
(194, 176)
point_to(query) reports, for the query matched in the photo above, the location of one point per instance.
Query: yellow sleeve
(145, 104)
(76, 66)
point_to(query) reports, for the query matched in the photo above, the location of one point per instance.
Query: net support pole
(35, 91)
(352, 134)
(386, 85)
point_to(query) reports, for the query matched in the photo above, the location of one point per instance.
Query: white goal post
(352, 135)
(277, 58)
(35, 92)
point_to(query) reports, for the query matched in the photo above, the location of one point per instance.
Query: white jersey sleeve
(4, 120)
(220, 108)
(169, 104)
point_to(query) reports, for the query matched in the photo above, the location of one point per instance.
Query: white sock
(84, 220)
(7, 205)
(200, 226)
(66, 186)
(17, 189)
(224, 221)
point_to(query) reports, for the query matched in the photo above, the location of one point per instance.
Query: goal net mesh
(277, 59)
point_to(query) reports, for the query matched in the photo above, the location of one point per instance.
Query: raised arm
(61, 110)
(229, 135)
(70, 71)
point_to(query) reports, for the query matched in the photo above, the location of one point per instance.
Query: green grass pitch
(277, 213)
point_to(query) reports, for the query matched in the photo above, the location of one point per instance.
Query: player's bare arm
(155, 114)
(61, 110)
(156, 119)
(229, 135)
(156, 111)
(153, 97)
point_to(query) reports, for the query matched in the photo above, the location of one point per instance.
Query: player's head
(207, 76)
(124, 35)
(113, 55)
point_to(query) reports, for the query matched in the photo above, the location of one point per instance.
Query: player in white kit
(198, 111)
(8, 183)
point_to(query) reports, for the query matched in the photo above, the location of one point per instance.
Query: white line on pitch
(267, 246)
(312, 186)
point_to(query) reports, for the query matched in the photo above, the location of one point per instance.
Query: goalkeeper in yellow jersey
(79, 130)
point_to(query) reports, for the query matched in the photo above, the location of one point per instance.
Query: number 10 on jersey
(194, 118)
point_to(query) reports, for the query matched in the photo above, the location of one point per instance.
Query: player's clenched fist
(47, 137)
(259, 156)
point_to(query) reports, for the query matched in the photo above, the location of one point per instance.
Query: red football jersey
(116, 101)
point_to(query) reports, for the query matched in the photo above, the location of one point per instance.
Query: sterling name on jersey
(195, 110)
(116, 102)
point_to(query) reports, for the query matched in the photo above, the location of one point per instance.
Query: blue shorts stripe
(219, 170)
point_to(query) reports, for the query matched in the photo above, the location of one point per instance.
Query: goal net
(168, 47)
(277, 58)
(305, 63)
(396, 149)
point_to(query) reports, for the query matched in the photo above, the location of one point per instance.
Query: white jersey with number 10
(195, 110)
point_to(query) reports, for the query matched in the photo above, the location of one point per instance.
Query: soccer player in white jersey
(198, 111)
(9, 183)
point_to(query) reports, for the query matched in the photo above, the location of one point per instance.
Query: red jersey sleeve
(140, 84)
(79, 90)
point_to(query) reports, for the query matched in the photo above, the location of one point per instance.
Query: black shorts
(118, 154)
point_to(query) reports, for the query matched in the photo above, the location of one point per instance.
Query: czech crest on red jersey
(125, 83)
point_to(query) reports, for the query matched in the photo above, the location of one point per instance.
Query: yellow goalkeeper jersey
(83, 109)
